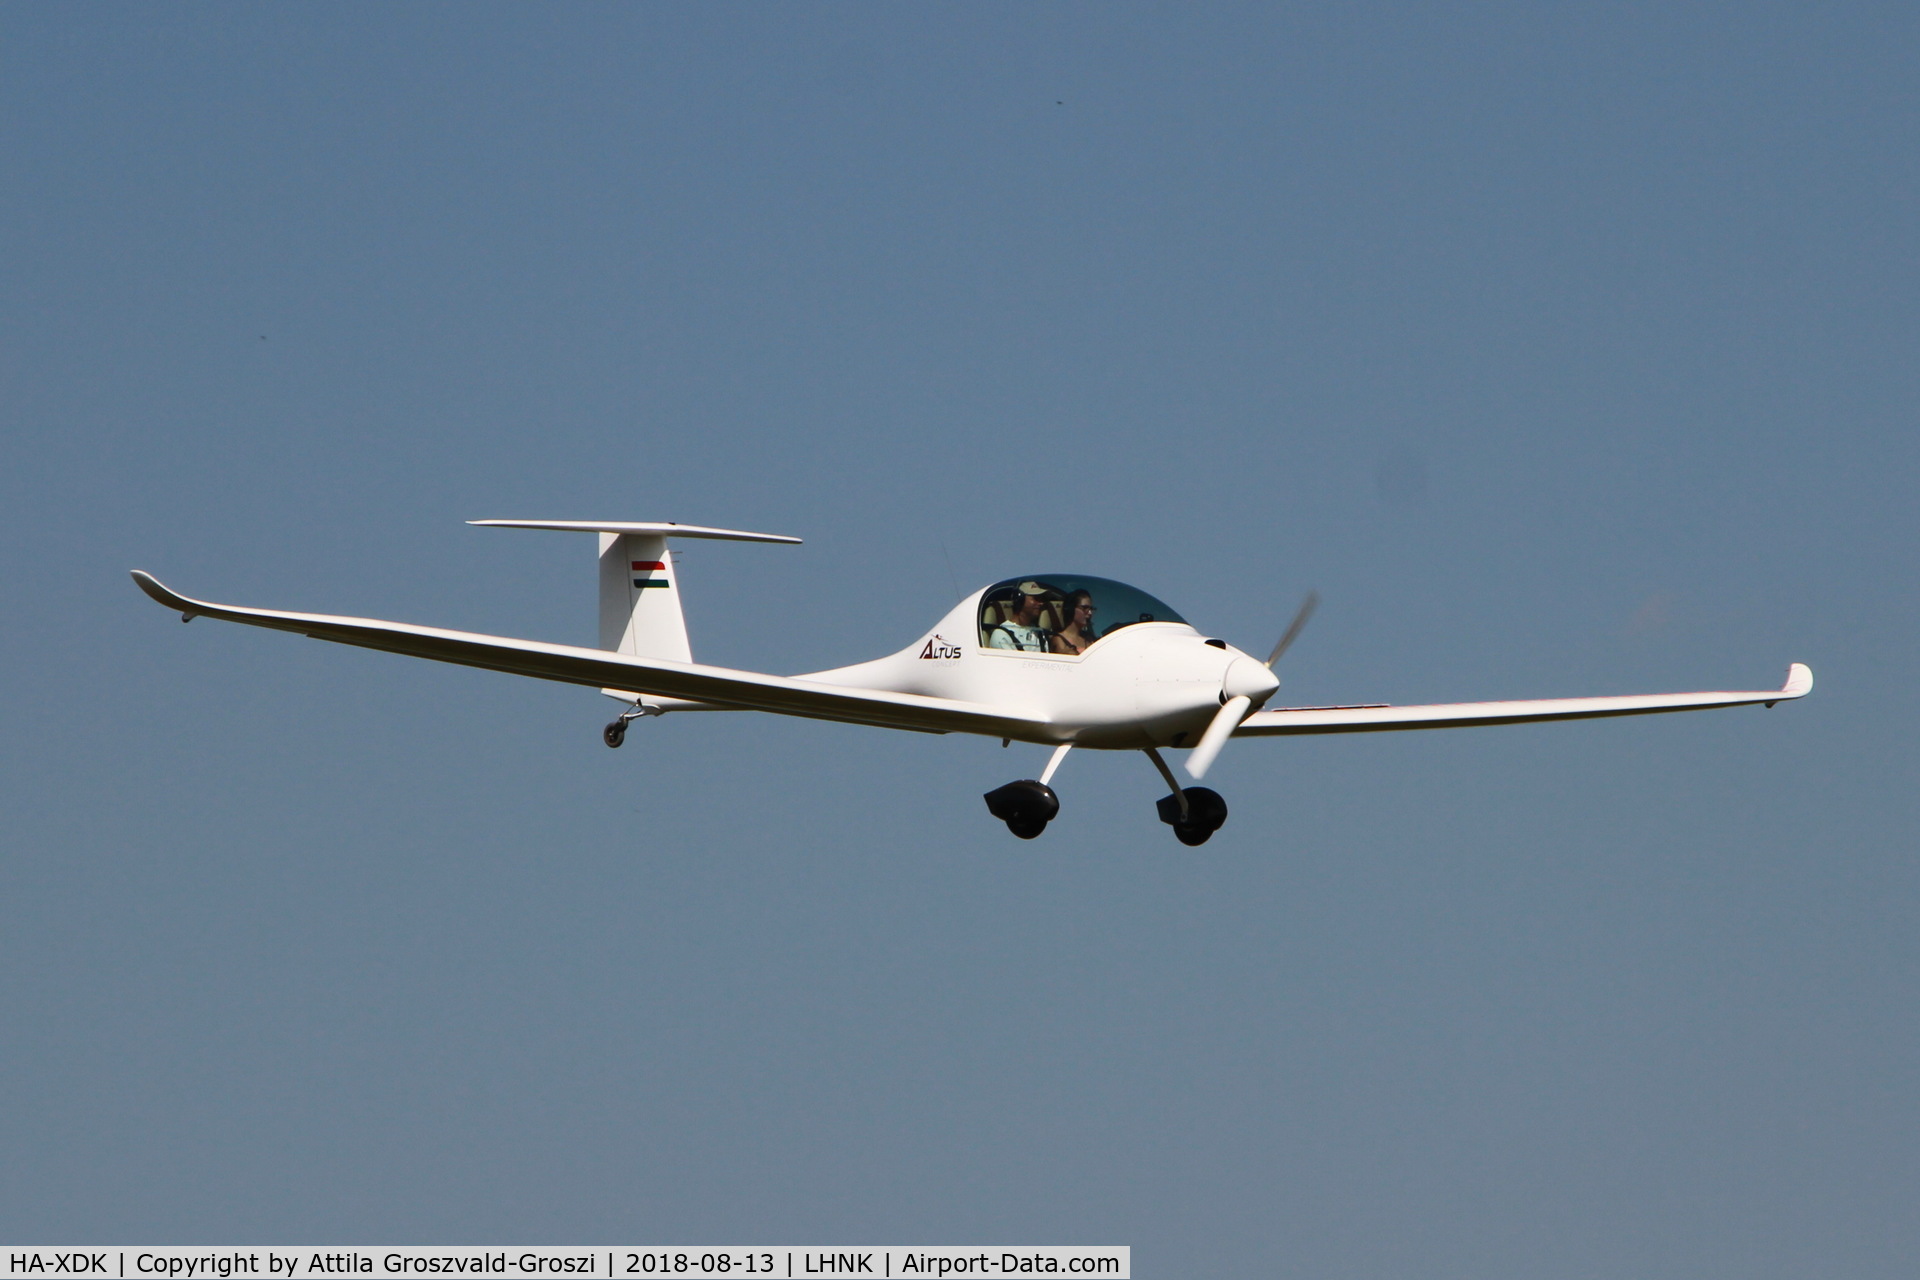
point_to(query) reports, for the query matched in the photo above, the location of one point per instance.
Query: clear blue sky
(1564, 349)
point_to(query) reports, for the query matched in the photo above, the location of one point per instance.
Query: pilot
(1076, 634)
(1022, 629)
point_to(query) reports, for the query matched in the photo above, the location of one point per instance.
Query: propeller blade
(1225, 721)
(1294, 628)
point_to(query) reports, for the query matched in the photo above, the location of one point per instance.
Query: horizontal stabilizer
(656, 527)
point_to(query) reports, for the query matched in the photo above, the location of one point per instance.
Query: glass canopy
(1062, 613)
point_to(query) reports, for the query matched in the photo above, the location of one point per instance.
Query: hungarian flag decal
(643, 571)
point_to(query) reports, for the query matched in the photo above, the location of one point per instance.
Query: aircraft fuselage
(1152, 684)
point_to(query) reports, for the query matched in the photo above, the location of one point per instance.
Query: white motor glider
(1060, 659)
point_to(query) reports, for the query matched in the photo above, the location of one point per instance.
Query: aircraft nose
(1248, 679)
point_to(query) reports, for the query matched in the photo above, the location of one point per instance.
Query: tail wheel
(614, 734)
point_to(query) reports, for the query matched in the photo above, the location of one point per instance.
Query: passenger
(1077, 633)
(1022, 629)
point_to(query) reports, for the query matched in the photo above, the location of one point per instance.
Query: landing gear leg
(1194, 813)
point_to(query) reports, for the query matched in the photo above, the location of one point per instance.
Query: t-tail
(640, 612)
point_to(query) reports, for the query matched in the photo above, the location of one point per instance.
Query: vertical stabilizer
(640, 598)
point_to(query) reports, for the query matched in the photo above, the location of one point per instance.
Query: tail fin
(639, 592)
(640, 598)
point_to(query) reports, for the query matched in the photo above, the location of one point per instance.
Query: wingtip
(1799, 681)
(159, 593)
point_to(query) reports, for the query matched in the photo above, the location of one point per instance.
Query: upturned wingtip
(159, 593)
(1799, 681)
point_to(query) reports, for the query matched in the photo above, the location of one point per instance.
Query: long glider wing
(599, 669)
(1457, 715)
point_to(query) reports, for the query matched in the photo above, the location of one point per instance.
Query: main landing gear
(1194, 813)
(1027, 806)
(1204, 813)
